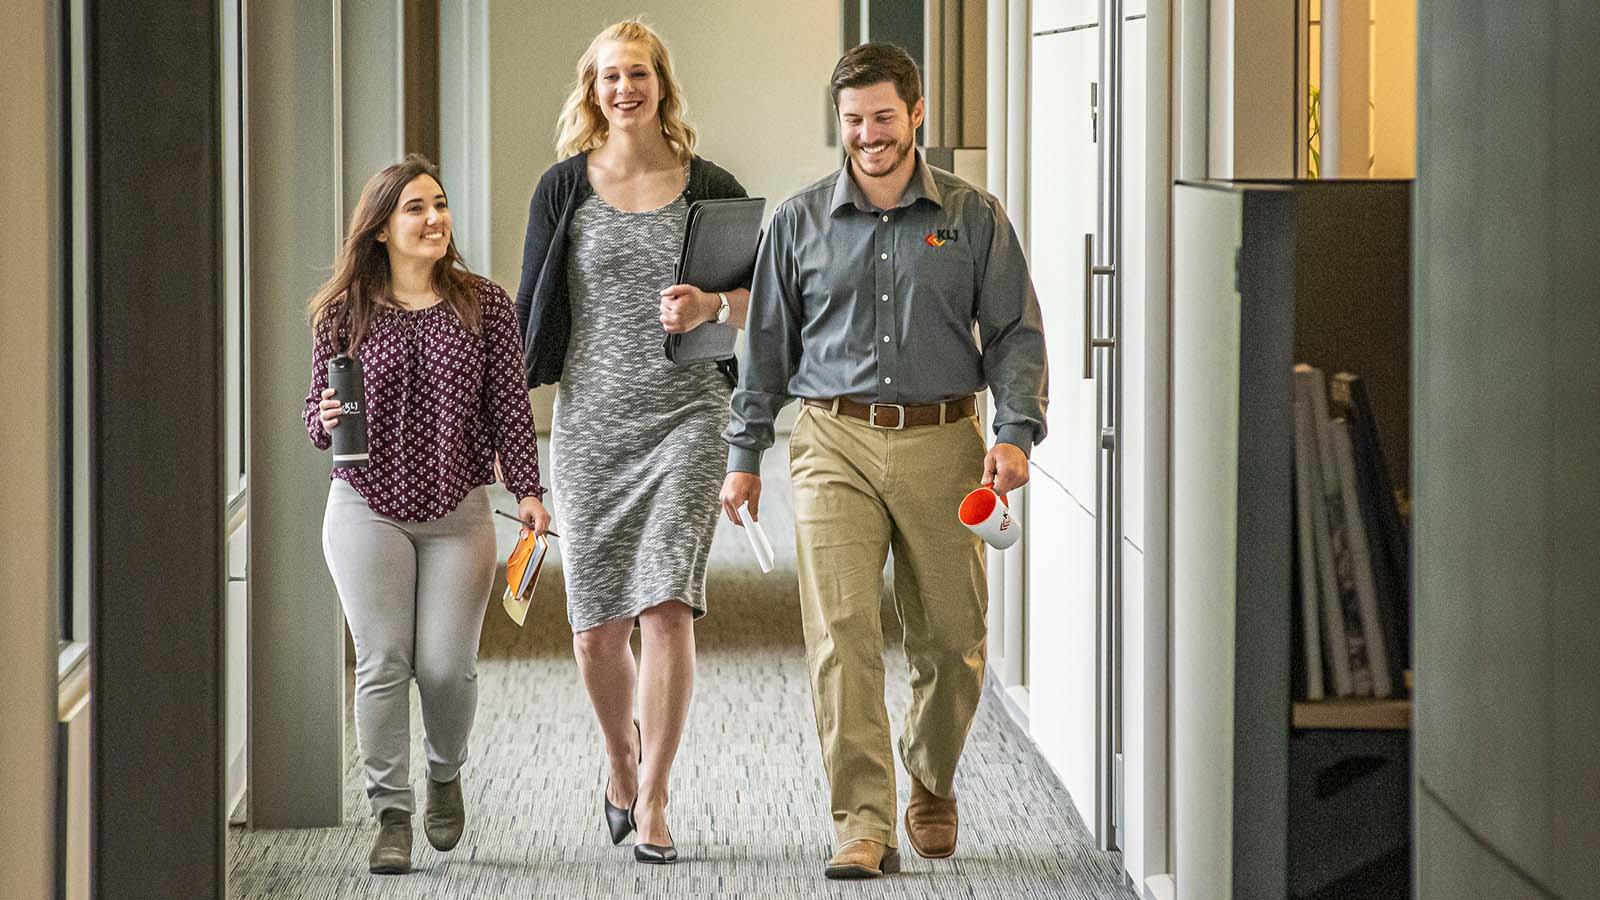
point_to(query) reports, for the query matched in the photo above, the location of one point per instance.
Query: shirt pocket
(945, 274)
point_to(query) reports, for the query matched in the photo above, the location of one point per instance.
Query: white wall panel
(1061, 203)
(1061, 638)
(1205, 416)
(1143, 648)
(1048, 15)
(1131, 332)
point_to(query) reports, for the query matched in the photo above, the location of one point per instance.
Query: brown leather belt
(897, 416)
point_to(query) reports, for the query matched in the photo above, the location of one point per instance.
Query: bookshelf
(1319, 792)
(1350, 758)
(1354, 714)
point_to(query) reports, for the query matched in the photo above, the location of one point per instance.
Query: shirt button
(883, 256)
(888, 380)
(885, 296)
(886, 339)
(886, 218)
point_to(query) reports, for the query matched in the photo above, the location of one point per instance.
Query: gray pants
(414, 594)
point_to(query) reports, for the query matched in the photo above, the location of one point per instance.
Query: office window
(60, 230)
(72, 298)
(235, 286)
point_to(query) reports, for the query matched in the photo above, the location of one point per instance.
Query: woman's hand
(533, 515)
(328, 411)
(684, 306)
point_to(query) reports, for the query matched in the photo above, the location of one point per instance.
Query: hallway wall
(27, 601)
(296, 655)
(1506, 459)
(755, 80)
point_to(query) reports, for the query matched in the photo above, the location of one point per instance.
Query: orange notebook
(522, 573)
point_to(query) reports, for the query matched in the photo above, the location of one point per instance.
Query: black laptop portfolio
(719, 254)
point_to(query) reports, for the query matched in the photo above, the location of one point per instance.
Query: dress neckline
(642, 212)
(638, 212)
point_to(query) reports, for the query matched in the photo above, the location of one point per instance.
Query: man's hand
(740, 488)
(1005, 468)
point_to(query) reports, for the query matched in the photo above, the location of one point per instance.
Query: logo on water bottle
(351, 408)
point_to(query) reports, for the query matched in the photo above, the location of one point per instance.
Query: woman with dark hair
(408, 538)
(636, 441)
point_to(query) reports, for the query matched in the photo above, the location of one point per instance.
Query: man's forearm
(750, 429)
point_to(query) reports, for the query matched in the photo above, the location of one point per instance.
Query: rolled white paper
(759, 545)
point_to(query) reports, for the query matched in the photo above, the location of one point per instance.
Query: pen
(501, 512)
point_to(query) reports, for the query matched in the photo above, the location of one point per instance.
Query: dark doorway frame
(156, 337)
(421, 67)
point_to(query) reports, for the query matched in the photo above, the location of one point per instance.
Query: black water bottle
(350, 437)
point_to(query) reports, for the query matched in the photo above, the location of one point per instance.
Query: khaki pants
(860, 491)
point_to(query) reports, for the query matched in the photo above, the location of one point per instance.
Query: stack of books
(1352, 546)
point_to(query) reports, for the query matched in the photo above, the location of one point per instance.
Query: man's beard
(898, 151)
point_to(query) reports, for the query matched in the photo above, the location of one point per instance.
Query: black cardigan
(543, 311)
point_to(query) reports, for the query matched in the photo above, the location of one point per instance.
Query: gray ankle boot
(391, 852)
(446, 815)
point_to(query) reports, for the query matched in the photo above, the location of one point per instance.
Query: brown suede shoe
(863, 859)
(391, 852)
(930, 823)
(446, 815)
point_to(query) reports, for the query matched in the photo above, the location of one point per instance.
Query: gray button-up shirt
(879, 305)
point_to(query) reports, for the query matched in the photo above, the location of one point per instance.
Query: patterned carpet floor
(749, 805)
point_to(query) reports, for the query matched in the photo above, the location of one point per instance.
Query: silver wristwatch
(723, 309)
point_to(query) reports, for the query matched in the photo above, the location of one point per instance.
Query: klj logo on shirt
(941, 236)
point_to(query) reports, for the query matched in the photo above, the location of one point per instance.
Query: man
(866, 292)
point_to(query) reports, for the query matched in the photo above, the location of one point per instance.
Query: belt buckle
(872, 416)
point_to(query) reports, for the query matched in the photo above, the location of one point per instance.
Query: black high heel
(619, 821)
(657, 854)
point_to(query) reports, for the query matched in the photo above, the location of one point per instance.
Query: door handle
(1090, 270)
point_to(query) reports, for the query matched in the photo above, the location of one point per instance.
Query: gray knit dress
(637, 454)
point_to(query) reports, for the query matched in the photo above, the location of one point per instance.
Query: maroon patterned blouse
(441, 402)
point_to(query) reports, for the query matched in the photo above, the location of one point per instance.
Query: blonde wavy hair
(583, 127)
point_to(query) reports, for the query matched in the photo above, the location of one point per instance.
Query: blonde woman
(637, 453)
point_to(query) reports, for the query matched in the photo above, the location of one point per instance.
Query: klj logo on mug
(989, 516)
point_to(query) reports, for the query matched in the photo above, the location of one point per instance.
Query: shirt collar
(921, 187)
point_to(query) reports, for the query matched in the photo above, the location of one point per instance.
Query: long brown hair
(350, 298)
(582, 126)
